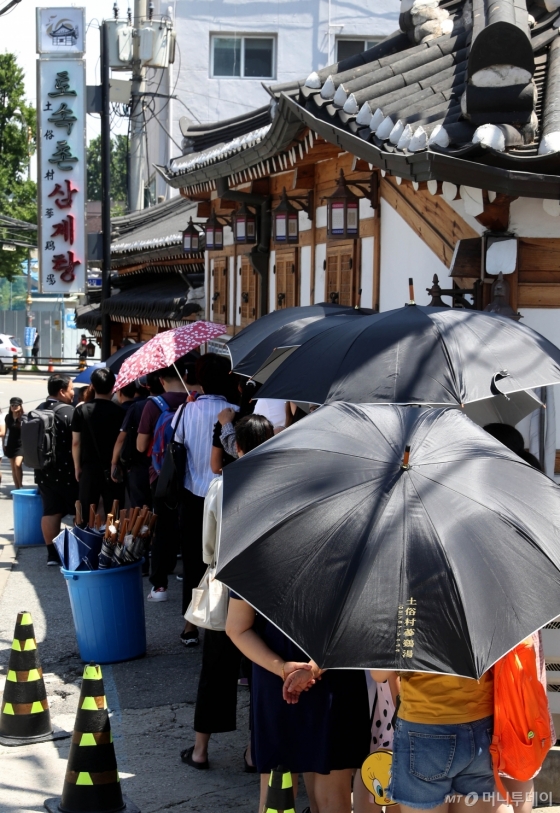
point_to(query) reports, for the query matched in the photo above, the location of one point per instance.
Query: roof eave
(283, 130)
(434, 165)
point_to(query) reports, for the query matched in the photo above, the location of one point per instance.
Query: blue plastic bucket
(108, 612)
(28, 512)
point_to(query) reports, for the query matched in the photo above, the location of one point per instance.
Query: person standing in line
(56, 482)
(95, 428)
(216, 699)
(12, 440)
(134, 464)
(194, 429)
(164, 556)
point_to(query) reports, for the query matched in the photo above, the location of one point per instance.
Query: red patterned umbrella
(165, 348)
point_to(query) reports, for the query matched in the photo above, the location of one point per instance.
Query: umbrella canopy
(439, 565)
(418, 355)
(85, 376)
(165, 348)
(252, 346)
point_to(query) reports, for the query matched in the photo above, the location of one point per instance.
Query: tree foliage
(119, 151)
(18, 195)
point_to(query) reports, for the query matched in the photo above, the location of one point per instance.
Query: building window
(246, 57)
(346, 48)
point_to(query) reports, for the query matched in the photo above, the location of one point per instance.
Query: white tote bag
(209, 605)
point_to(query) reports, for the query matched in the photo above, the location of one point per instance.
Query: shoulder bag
(209, 605)
(173, 468)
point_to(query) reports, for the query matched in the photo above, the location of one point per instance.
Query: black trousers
(216, 699)
(93, 486)
(164, 541)
(191, 513)
(137, 481)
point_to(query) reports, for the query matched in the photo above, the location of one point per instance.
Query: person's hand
(226, 416)
(192, 397)
(298, 678)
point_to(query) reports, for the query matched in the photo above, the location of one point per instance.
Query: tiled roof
(157, 227)
(468, 91)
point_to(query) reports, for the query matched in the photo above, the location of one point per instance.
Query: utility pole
(137, 135)
(105, 192)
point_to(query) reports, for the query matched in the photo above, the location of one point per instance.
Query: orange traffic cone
(50, 368)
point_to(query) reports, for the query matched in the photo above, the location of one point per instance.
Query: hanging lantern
(244, 230)
(214, 233)
(191, 238)
(343, 214)
(286, 224)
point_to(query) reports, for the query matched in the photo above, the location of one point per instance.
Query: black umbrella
(441, 563)
(115, 361)
(254, 344)
(419, 355)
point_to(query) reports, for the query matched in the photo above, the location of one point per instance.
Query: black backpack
(38, 438)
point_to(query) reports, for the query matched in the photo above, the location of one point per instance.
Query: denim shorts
(432, 762)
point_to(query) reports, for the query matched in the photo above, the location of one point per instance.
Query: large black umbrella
(254, 344)
(417, 354)
(441, 563)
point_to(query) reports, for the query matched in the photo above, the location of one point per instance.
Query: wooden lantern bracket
(306, 204)
(371, 191)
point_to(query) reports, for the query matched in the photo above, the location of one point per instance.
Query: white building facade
(225, 50)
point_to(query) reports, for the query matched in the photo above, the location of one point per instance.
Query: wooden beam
(539, 295)
(496, 213)
(437, 223)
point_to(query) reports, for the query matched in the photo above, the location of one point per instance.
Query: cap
(16, 402)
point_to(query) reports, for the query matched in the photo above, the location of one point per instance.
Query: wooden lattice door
(220, 294)
(286, 279)
(249, 292)
(341, 274)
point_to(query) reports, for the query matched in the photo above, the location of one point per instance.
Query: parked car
(9, 347)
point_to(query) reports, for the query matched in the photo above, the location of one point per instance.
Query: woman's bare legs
(309, 781)
(16, 464)
(364, 801)
(333, 791)
(522, 801)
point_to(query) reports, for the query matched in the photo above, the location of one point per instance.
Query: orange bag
(522, 736)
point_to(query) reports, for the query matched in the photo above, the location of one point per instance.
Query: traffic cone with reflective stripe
(280, 793)
(24, 713)
(92, 780)
(50, 368)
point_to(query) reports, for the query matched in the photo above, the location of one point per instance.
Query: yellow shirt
(444, 699)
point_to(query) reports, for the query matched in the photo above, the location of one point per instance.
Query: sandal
(186, 757)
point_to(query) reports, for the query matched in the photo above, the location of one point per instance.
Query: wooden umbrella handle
(78, 519)
(91, 522)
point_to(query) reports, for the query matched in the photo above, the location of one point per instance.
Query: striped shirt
(197, 422)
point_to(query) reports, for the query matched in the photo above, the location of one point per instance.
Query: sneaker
(179, 577)
(157, 594)
(53, 559)
(189, 638)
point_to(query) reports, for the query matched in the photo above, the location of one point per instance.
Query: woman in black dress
(12, 440)
(324, 733)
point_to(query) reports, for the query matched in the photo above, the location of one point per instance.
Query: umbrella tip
(411, 291)
(406, 456)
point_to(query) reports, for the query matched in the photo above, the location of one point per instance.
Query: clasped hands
(299, 677)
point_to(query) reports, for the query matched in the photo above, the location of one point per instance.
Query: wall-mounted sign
(61, 31)
(61, 172)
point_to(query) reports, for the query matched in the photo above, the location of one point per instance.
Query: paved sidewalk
(151, 700)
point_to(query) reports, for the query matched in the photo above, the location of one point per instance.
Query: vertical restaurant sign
(61, 173)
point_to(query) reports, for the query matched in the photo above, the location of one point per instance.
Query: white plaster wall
(305, 275)
(404, 255)
(272, 283)
(527, 218)
(304, 43)
(321, 217)
(228, 236)
(304, 223)
(320, 258)
(547, 322)
(366, 209)
(366, 283)
(459, 207)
